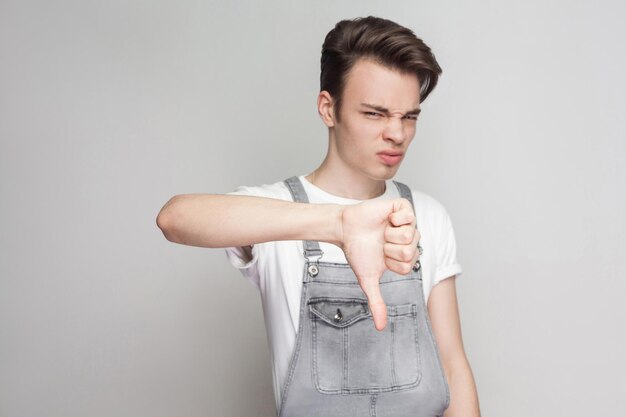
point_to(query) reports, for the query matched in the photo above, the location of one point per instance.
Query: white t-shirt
(276, 267)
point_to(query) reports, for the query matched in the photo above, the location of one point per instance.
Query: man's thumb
(377, 305)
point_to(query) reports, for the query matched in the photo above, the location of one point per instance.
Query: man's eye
(411, 116)
(372, 114)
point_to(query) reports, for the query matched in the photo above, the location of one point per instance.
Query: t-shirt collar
(318, 195)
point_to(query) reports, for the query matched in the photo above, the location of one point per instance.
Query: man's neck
(346, 186)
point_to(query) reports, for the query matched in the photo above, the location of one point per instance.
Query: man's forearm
(217, 221)
(463, 394)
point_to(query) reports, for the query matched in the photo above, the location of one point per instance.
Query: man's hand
(379, 235)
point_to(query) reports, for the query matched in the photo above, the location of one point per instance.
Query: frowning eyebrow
(415, 111)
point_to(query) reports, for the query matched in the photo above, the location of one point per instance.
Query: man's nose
(394, 129)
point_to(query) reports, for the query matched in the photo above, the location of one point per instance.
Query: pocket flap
(340, 312)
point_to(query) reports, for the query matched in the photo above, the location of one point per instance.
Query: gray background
(109, 108)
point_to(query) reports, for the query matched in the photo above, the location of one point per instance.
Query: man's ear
(326, 108)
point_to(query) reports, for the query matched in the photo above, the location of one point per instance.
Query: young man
(358, 321)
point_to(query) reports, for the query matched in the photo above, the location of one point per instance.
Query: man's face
(378, 116)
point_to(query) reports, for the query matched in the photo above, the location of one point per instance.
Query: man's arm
(444, 317)
(374, 235)
(219, 221)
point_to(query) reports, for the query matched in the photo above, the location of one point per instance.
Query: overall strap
(405, 192)
(296, 188)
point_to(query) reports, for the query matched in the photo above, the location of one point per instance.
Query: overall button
(417, 266)
(313, 270)
(338, 316)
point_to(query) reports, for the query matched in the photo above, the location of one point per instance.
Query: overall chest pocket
(351, 356)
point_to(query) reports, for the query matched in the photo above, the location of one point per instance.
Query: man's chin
(390, 172)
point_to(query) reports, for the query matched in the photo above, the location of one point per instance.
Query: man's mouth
(390, 158)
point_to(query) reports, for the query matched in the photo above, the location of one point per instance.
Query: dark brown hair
(381, 40)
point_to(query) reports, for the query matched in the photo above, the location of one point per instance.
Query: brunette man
(352, 310)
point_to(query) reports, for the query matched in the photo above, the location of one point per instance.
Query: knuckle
(388, 249)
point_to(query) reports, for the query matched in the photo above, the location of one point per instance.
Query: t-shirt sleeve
(447, 263)
(242, 258)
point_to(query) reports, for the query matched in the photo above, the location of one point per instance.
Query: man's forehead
(377, 85)
(404, 102)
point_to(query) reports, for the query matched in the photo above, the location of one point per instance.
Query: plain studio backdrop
(108, 109)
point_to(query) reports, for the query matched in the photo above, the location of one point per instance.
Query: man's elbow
(166, 220)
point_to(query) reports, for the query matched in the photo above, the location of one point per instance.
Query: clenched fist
(379, 235)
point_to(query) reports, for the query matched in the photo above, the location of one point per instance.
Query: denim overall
(341, 365)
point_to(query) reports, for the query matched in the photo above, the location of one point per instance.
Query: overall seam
(345, 352)
(434, 343)
(394, 379)
(294, 357)
(373, 405)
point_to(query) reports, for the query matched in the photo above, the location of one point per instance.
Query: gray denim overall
(341, 365)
